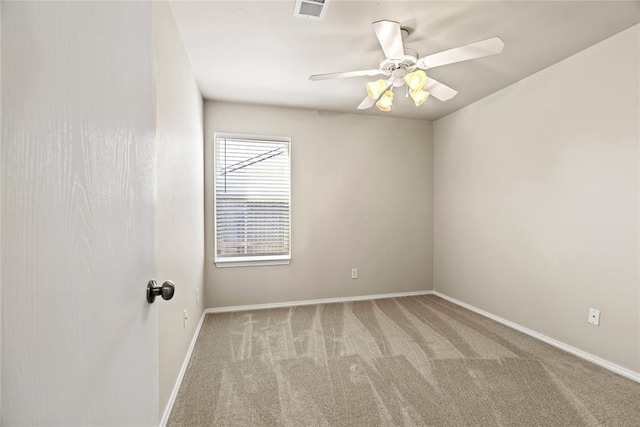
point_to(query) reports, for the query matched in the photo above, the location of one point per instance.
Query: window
(252, 200)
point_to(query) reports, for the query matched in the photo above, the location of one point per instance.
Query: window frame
(254, 260)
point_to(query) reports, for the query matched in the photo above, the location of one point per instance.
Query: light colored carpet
(411, 361)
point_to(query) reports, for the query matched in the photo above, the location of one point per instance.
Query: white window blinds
(252, 198)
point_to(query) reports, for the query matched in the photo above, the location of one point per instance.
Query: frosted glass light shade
(419, 96)
(416, 80)
(375, 89)
(385, 102)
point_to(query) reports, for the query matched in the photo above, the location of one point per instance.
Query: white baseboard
(183, 369)
(559, 344)
(312, 301)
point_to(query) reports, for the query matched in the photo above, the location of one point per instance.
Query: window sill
(252, 262)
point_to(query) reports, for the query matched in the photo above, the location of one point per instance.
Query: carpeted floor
(410, 361)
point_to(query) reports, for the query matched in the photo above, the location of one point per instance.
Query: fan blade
(390, 38)
(439, 90)
(463, 53)
(368, 102)
(316, 77)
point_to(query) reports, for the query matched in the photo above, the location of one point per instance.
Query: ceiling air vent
(311, 9)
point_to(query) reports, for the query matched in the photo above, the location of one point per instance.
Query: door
(79, 340)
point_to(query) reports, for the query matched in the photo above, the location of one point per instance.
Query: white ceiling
(257, 52)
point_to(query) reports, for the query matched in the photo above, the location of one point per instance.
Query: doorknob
(166, 290)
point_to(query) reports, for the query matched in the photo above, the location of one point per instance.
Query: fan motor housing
(407, 63)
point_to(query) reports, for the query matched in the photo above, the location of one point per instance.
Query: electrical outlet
(354, 273)
(184, 319)
(594, 316)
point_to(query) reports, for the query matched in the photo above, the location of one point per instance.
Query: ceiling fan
(403, 67)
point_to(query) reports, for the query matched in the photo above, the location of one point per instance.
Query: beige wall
(180, 196)
(536, 201)
(361, 198)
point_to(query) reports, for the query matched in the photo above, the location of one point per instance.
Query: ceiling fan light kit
(419, 96)
(377, 88)
(404, 67)
(385, 101)
(416, 79)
